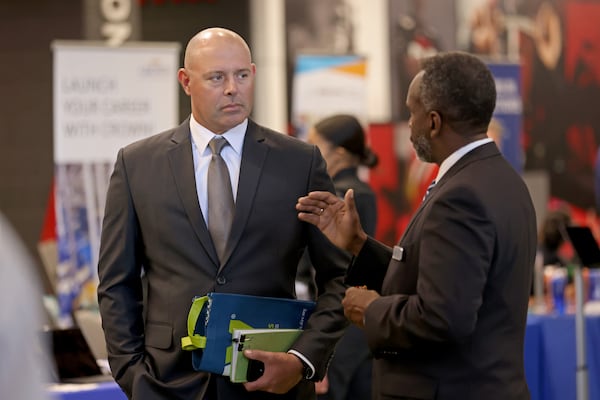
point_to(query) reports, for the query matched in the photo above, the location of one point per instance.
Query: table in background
(87, 391)
(550, 363)
(550, 357)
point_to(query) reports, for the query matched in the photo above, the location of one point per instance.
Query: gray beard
(423, 149)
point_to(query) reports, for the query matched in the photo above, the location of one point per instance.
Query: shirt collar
(235, 136)
(457, 155)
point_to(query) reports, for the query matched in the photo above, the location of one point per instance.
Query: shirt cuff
(306, 361)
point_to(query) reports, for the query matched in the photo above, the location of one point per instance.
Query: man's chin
(234, 112)
(232, 120)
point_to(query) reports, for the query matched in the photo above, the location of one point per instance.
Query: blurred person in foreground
(156, 221)
(445, 310)
(24, 368)
(341, 140)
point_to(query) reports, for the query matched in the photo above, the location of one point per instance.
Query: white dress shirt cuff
(306, 361)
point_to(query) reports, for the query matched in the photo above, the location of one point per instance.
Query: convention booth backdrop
(542, 54)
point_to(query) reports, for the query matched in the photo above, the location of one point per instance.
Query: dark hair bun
(369, 159)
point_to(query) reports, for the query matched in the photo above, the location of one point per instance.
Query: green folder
(276, 340)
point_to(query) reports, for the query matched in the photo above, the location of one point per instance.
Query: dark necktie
(431, 185)
(220, 197)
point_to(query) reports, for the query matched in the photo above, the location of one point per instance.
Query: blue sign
(507, 122)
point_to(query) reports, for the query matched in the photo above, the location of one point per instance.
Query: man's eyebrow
(220, 71)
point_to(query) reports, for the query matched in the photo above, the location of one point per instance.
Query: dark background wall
(27, 29)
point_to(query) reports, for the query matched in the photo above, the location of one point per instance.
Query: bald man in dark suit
(444, 311)
(156, 223)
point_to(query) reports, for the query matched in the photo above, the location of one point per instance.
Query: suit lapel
(182, 167)
(253, 156)
(414, 218)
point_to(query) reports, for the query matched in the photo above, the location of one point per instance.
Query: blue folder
(213, 318)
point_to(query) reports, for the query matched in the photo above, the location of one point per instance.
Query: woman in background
(341, 140)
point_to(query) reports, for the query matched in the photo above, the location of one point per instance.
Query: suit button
(221, 280)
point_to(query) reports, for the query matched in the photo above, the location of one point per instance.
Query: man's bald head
(211, 37)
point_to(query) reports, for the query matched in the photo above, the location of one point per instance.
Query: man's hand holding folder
(275, 363)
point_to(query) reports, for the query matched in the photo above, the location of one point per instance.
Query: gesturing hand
(336, 218)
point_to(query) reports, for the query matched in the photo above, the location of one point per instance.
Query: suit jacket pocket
(408, 386)
(159, 335)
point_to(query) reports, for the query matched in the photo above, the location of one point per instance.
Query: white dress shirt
(232, 155)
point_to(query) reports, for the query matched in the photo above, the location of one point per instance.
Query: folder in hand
(277, 340)
(213, 318)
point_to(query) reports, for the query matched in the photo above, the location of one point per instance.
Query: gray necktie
(220, 197)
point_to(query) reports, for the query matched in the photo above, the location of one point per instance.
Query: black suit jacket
(451, 322)
(153, 223)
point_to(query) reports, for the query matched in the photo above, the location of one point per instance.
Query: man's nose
(230, 86)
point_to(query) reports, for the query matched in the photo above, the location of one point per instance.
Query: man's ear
(435, 119)
(184, 80)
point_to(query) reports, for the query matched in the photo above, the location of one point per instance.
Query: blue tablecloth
(550, 357)
(87, 391)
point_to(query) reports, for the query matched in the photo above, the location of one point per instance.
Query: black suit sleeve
(370, 265)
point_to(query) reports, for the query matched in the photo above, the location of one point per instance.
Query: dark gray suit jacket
(452, 322)
(153, 222)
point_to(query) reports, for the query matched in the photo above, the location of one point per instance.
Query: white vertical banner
(325, 85)
(104, 98)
